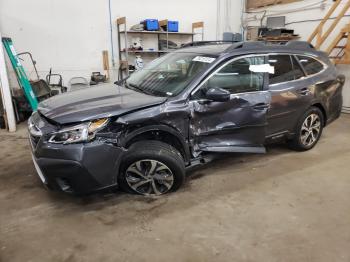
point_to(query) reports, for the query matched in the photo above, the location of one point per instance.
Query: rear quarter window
(311, 65)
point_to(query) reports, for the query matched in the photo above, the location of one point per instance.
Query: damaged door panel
(237, 125)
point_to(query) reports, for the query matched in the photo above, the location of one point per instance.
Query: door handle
(261, 106)
(204, 101)
(304, 91)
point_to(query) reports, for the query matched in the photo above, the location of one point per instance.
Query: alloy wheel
(310, 130)
(149, 177)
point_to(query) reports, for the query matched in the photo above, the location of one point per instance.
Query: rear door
(237, 125)
(290, 94)
(326, 84)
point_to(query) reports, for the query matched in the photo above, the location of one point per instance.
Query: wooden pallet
(281, 38)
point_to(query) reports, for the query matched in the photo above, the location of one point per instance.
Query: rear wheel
(152, 168)
(309, 130)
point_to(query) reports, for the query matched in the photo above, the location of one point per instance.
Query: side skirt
(235, 149)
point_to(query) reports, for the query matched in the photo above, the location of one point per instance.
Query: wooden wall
(253, 4)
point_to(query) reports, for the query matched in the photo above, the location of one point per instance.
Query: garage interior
(279, 206)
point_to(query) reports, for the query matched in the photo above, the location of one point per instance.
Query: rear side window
(283, 69)
(311, 66)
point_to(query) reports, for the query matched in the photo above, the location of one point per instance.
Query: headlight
(80, 133)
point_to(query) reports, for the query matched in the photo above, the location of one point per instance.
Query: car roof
(218, 48)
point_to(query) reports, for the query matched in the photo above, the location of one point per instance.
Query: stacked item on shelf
(135, 49)
(170, 26)
(275, 30)
(150, 24)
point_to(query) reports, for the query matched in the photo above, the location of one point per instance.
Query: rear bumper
(78, 168)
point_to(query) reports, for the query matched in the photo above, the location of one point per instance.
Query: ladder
(20, 73)
(339, 49)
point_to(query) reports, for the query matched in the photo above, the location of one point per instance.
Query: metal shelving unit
(123, 34)
(155, 32)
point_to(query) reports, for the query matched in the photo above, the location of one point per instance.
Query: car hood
(100, 101)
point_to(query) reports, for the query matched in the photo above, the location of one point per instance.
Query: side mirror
(218, 94)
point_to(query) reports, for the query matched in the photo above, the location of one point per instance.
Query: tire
(151, 168)
(308, 131)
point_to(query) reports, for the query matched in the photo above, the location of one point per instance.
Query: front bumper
(76, 168)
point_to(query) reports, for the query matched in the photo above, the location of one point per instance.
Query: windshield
(169, 74)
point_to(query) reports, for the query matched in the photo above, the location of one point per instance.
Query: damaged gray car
(142, 133)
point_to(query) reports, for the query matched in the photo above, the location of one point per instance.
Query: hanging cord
(242, 20)
(312, 20)
(111, 31)
(218, 7)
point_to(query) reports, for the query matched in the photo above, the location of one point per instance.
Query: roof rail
(248, 45)
(253, 44)
(300, 44)
(263, 44)
(201, 43)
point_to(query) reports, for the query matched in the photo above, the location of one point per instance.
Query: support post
(6, 92)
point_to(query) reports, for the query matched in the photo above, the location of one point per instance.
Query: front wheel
(308, 131)
(152, 168)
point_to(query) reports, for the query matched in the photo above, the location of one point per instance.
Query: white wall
(69, 36)
(300, 11)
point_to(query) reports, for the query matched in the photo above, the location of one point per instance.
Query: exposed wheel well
(319, 106)
(160, 135)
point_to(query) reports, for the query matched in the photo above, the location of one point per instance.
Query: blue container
(151, 24)
(173, 26)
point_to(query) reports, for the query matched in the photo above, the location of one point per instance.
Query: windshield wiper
(136, 87)
(121, 81)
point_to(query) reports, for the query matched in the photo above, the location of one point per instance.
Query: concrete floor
(282, 206)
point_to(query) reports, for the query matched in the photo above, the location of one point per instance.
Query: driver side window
(239, 76)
